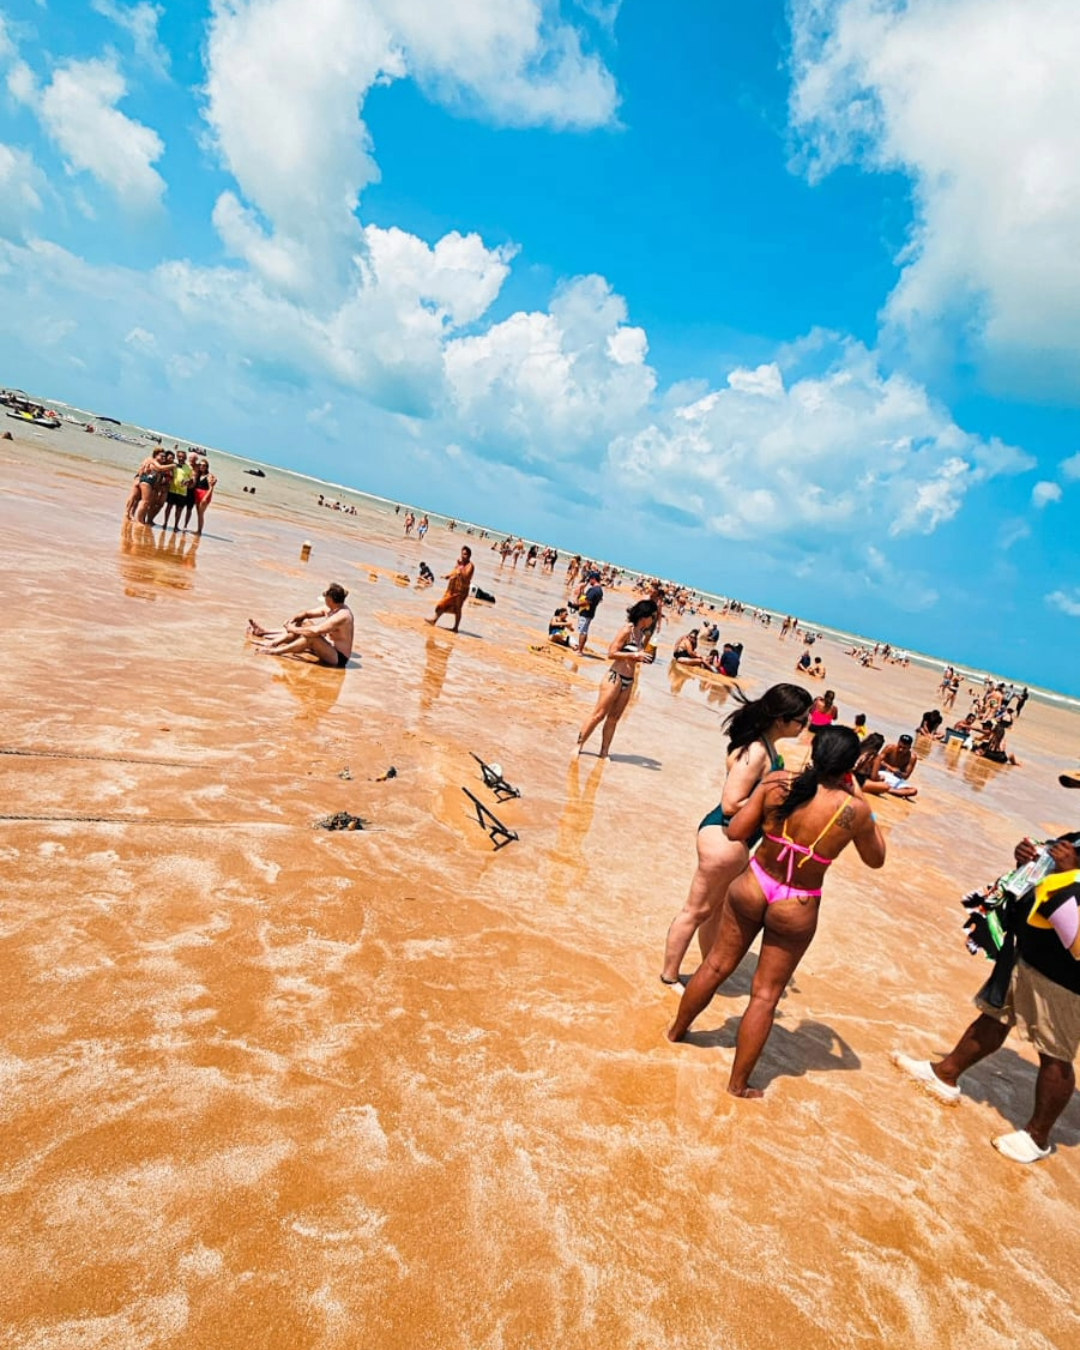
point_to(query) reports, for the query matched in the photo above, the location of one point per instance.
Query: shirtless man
(896, 764)
(326, 632)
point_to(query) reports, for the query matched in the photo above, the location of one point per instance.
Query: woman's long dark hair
(834, 753)
(869, 751)
(754, 716)
(644, 609)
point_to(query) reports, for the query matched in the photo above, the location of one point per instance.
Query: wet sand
(268, 1086)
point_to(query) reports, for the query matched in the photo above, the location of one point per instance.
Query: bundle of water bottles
(993, 910)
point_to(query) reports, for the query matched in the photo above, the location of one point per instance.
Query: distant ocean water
(128, 435)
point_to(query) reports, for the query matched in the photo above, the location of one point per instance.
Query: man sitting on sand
(896, 764)
(326, 632)
(729, 661)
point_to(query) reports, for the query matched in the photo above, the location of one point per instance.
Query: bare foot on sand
(749, 1093)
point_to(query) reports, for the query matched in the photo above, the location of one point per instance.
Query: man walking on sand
(592, 593)
(1043, 996)
(326, 632)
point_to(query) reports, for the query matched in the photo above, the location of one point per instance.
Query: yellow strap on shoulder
(1054, 882)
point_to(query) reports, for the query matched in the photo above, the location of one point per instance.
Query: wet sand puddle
(267, 1085)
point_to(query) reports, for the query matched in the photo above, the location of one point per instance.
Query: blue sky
(779, 299)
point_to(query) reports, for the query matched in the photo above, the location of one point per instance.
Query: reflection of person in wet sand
(457, 590)
(325, 632)
(628, 650)
(822, 809)
(436, 660)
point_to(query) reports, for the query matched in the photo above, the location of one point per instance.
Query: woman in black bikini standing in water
(753, 730)
(627, 651)
(807, 825)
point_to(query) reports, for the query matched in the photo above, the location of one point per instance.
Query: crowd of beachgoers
(763, 852)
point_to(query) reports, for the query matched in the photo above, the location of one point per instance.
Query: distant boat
(115, 421)
(255, 473)
(49, 420)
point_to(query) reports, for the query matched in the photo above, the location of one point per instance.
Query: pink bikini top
(790, 848)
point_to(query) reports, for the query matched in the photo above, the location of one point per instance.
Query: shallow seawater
(267, 1085)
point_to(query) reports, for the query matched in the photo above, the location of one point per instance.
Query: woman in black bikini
(753, 730)
(147, 477)
(627, 651)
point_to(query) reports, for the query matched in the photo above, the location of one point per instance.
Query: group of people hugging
(175, 480)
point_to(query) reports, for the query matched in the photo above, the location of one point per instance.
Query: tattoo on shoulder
(846, 818)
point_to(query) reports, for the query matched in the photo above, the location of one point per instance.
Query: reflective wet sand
(272, 1087)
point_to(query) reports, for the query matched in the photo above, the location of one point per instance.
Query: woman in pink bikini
(808, 821)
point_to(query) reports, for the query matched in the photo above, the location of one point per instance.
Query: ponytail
(834, 753)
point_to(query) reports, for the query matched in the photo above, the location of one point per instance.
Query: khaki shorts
(1048, 1013)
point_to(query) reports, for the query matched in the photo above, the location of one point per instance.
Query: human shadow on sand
(789, 1052)
(642, 761)
(1005, 1082)
(737, 984)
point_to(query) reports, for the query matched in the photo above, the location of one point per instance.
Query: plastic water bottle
(1020, 881)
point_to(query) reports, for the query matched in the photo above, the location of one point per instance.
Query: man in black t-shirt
(591, 595)
(1043, 996)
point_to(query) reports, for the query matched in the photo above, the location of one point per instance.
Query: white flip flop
(1020, 1147)
(920, 1070)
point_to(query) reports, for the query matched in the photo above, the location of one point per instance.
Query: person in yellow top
(182, 477)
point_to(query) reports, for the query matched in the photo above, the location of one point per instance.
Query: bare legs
(787, 932)
(1054, 1085)
(145, 504)
(610, 706)
(720, 860)
(291, 644)
(440, 612)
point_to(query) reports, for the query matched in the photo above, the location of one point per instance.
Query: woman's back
(807, 841)
(809, 819)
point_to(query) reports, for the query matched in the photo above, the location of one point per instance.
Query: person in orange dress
(457, 590)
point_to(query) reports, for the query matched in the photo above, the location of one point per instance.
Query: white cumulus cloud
(512, 60)
(551, 383)
(1068, 602)
(1043, 493)
(978, 101)
(846, 450)
(21, 186)
(78, 110)
(140, 22)
(286, 85)
(1070, 467)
